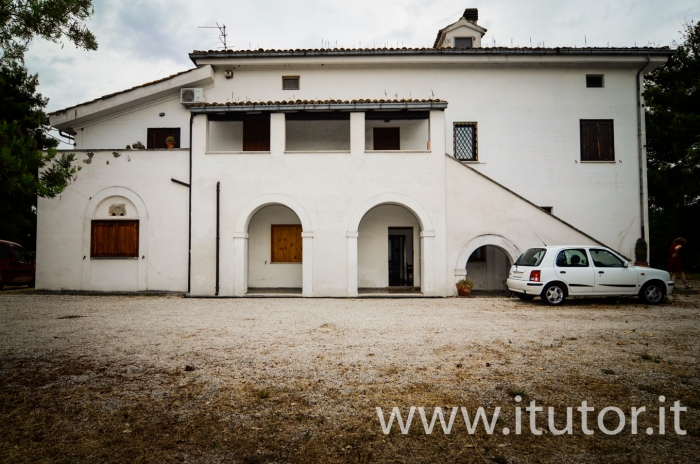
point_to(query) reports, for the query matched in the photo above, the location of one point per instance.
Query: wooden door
(387, 138)
(256, 135)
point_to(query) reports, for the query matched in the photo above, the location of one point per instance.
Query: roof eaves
(103, 97)
(320, 105)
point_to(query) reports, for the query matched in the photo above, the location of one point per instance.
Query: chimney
(471, 14)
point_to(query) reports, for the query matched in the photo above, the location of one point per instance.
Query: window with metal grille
(597, 140)
(290, 82)
(465, 141)
(464, 42)
(114, 239)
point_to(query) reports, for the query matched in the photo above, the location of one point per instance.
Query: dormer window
(464, 42)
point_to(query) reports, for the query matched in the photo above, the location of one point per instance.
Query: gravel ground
(310, 372)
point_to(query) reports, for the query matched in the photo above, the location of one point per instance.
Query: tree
(30, 164)
(23, 20)
(673, 147)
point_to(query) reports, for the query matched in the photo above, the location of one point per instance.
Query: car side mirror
(625, 264)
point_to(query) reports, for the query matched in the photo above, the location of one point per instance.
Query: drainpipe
(640, 146)
(189, 240)
(218, 184)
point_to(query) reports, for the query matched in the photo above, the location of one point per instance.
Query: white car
(557, 272)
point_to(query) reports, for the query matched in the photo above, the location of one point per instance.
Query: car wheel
(526, 297)
(554, 294)
(652, 293)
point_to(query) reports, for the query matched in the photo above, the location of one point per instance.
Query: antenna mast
(222, 33)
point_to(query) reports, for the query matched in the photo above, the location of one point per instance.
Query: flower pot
(464, 291)
(170, 145)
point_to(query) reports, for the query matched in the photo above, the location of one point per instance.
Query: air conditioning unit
(189, 96)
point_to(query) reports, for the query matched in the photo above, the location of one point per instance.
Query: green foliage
(23, 20)
(673, 146)
(30, 165)
(466, 282)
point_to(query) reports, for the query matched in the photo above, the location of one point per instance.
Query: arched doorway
(486, 260)
(390, 244)
(273, 247)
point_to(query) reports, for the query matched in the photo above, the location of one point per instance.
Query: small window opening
(464, 42)
(594, 80)
(290, 82)
(465, 146)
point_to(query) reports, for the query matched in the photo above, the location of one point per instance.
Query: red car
(16, 267)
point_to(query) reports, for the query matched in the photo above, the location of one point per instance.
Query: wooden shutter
(286, 243)
(597, 140)
(156, 137)
(387, 138)
(114, 239)
(256, 135)
(606, 145)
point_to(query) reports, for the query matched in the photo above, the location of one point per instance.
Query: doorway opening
(400, 256)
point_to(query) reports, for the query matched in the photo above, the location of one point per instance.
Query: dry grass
(70, 409)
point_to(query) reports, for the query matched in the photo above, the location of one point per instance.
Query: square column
(278, 134)
(352, 263)
(240, 264)
(357, 133)
(307, 264)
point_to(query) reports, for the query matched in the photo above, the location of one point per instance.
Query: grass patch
(649, 357)
(263, 394)
(608, 371)
(513, 392)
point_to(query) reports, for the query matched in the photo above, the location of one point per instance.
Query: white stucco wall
(225, 136)
(372, 245)
(318, 135)
(413, 133)
(143, 176)
(116, 131)
(261, 272)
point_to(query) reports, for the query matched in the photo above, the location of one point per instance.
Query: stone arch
(497, 241)
(427, 238)
(240, 239)
(262, 201)
(90, 210)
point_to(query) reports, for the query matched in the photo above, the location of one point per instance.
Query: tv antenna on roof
(222, 32)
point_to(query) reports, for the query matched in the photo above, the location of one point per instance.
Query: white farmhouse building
(338, 172)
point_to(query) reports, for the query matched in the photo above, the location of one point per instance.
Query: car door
(612, 274)
(24, 269)
(573, 267)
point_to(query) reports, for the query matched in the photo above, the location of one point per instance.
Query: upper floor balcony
(321, 127)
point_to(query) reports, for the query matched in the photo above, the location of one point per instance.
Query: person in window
(675, 262)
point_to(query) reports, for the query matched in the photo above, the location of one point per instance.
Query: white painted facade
(324, 174)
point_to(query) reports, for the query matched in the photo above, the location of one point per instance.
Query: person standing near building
(675, 262)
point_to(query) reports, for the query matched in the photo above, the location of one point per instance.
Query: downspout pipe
(640, 146)
(218, 237)
(189, 239)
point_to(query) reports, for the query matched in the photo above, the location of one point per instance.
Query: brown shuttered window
(597, 140)
(156, 137)
(286, 243)
(387, 138)
(114, 239)
(256, 135)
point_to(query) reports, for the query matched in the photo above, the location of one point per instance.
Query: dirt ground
(171, 379)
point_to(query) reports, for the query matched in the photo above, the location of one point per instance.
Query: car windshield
(532, 257)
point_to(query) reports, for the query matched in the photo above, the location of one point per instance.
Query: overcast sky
(140, 40)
